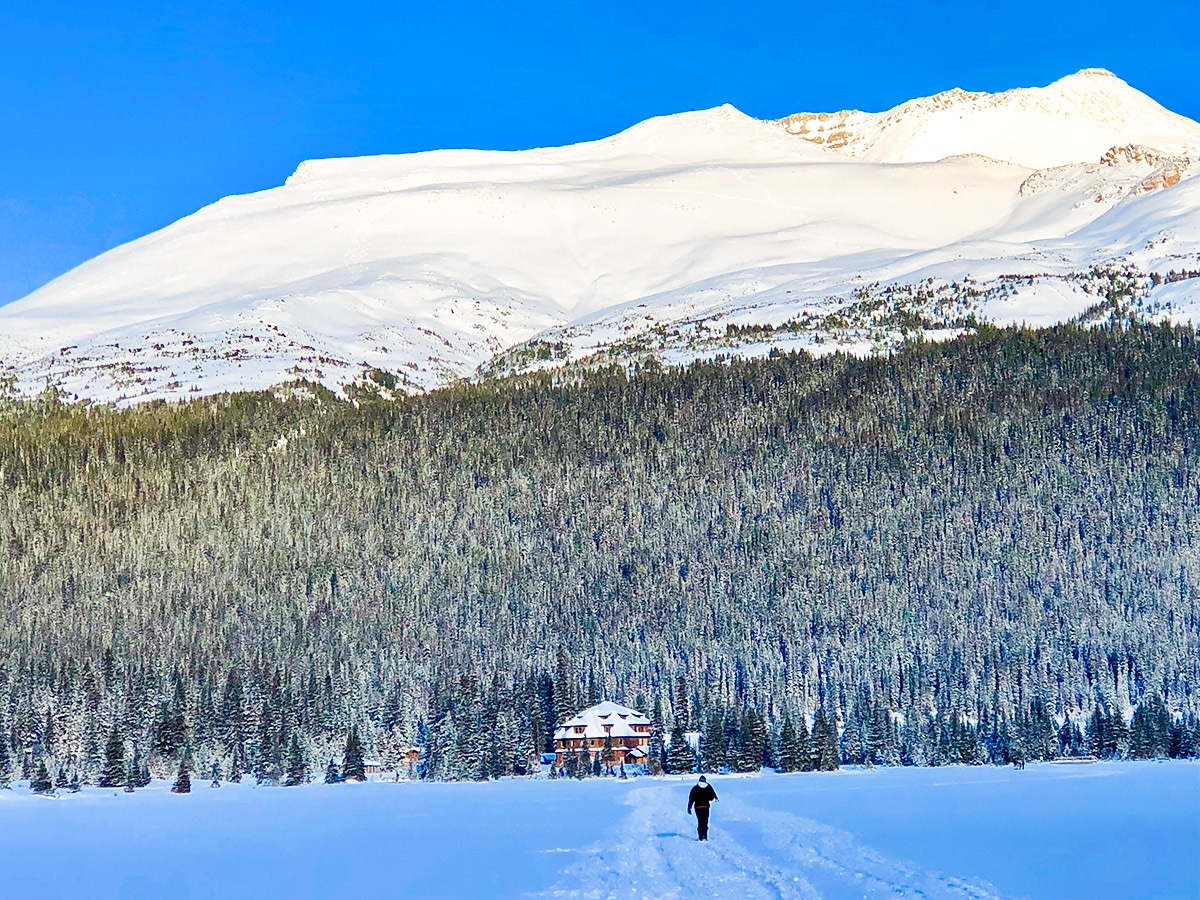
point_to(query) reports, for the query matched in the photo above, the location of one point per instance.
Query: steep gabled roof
(603, 718)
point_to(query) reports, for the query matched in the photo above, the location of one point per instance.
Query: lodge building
(628, 729)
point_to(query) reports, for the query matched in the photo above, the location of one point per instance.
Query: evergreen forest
(983, 550)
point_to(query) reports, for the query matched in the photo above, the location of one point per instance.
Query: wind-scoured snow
(441, 265)
(1103, 830)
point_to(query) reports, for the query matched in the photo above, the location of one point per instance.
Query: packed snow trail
(751, 853)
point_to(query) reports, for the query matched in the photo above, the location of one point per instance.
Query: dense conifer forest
(986, 550)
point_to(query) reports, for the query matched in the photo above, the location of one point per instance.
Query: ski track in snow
(653, 852)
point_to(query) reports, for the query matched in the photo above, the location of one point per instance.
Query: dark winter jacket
(702, 796)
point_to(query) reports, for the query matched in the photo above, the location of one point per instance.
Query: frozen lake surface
(1105, 830)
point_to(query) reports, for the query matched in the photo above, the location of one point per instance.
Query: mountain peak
(1076, 119)
(684, 236)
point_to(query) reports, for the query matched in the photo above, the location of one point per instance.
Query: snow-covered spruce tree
(352, 758)
(790, 759)
(139, 769)
(1150, 730)
(826, 752)
(713, 745)
(41, 780)
(680, 758)
(583, 765)
(297, 764)
(566, 687)
(183, 781)
(5, 760)
(114, 761)
(332, 774)
(655, 751)
(237, 762)
(753, 742)
(804, 746)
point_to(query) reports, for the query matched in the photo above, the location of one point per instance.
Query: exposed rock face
(1136, 153)
(1073, 120)
(1121, 172)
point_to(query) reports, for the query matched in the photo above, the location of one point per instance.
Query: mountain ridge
(681, 237)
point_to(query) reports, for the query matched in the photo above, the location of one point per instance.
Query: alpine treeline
(985, 550)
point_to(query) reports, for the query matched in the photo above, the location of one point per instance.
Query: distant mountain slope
(1075, 119)
(684, 236)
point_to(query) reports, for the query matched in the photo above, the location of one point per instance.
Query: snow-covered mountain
(685, 236)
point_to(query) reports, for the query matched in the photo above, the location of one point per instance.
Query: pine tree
(237, 762)
(825, 742)
(41, 781)
(680, 758)
(5, 760)
(682, 711)
(352, 758)
(583, 766)
(183, 781)
(752, 742)
(297, 766)
(654, 751)
(138, 769)
(565, 687)
(804, 746)
(114, 761)
(332, 775)
(714, 759)
(790, 759)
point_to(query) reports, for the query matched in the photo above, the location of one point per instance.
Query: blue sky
(119, 118)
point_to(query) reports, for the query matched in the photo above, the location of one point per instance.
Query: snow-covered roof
(603, 718)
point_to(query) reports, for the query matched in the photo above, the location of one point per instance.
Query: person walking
(701, 798)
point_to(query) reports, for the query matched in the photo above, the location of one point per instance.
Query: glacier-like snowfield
(1052, 831)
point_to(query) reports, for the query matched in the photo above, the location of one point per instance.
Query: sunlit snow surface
(1105, 830)
(650, 243)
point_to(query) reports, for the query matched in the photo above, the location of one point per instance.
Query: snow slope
(436, 266)
(1075, 119)
(1104, 830)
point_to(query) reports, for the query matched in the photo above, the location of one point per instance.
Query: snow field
(1103, 830)
(429, 265)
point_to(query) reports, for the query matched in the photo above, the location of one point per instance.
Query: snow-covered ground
(648, 243)
(1104, 830)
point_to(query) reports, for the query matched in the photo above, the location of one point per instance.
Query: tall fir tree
(41, 780)
(297, 764)
(183, 781)
(714, 759)
(352, 758)
(790, 758)
(655, 755)
(332, 775)
(680, 758)
(826, 753)
(5, 759)
(114, 761)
